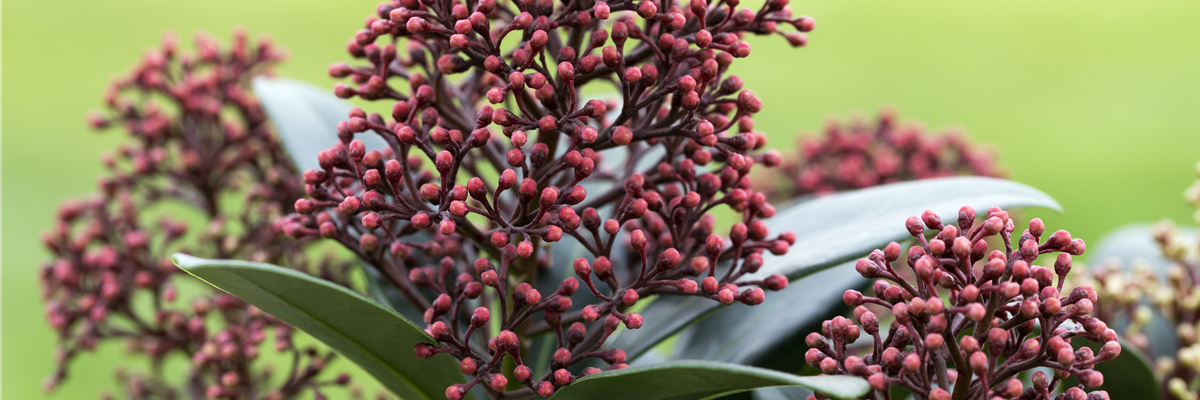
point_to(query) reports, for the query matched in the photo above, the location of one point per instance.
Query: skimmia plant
(197, 139)
(452, 208)
(561, 187)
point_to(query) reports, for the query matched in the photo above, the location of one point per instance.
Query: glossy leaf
(372, 336)
(830, 230)
(685, 380)
(1129, 376)
(306, 118)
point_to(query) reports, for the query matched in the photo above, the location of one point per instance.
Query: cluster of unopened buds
(1177, 299)
(466, 197)
(967, 321)
(1137, 295)
(858, 154)
(1129, 299)
(197, 137)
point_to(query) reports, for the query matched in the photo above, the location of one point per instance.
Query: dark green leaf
(374, 337)
(1129, 376)
(830, 230)
(684, 380)
(306, 117)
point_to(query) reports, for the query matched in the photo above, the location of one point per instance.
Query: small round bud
(633, 321)
(467, 366)
(522, 373)
(545, 389)
(622, 136)
(498, 382)
(507, 340)
(725, 296)
(630, 297)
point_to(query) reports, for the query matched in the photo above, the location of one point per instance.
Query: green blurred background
(1095, 102)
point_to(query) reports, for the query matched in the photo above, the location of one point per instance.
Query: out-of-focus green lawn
(1096, 103)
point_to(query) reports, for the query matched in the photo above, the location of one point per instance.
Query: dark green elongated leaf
(370, 335)
(831, 230)
(685, 380)
(306, 117)
(1129, 376)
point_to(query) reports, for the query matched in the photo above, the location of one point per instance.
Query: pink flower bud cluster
(966, 320)
(857, 155)
(495, 154)
(196, 138)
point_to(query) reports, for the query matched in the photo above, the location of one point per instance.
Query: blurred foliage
(1094, 103)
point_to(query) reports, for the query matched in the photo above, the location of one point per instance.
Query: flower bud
(622, 136)
(507, 340)
(498, 382)
(914, 226)
(633, 321)
(590, 314)
(523, 374)
(774, 282)
(480, 317)
(545, 389)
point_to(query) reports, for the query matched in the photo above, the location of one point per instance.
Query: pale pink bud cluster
(1135, 298)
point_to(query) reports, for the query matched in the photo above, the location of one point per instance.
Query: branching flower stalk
(450, 208)
(857, 155)
(199, 140)
(1011, 316)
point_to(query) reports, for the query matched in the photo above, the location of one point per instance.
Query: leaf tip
(184, 261)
